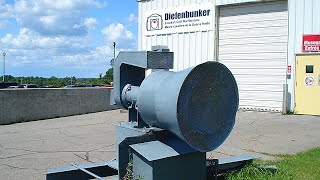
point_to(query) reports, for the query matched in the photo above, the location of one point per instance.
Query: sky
(64, 38)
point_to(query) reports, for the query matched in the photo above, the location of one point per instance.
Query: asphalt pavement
(27, 150)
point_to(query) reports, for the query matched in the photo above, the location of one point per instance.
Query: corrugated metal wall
(192, 48)
(196, 47)
(304, 18)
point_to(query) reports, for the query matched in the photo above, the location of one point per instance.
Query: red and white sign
(311, 43)
(289, 69)
(309, 81)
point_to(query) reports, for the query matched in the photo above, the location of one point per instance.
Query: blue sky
(64, 37)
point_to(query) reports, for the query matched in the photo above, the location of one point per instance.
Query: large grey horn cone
(198, 104)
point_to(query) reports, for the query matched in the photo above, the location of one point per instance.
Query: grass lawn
(304, 166)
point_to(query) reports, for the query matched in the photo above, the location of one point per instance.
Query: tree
(109, 75)
(61, 82)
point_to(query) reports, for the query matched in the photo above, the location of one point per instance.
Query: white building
(258, 40)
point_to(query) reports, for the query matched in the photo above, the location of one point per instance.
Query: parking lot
(27, 150)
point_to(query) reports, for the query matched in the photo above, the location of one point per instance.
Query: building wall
(193, 48)
(304, 18)
(35, 104)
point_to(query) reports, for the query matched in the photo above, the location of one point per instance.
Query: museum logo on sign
(154, 22)
(191, 18)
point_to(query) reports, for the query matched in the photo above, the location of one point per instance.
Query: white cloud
(6, 10)
(103, 51)
(30, 47)
(90, 23)
(39, 7)
(70, 4)
(55, 17)
(27, 39)
(54, 35)
(119, 34)
(132, 18)
(48, 20)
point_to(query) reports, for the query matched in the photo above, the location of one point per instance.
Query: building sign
(180, 19)
(309, 80)
(311, 43)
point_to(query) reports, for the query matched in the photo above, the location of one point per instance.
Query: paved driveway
(266, 133)
(27, 150)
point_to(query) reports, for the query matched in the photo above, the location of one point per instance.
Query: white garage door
(253, 44)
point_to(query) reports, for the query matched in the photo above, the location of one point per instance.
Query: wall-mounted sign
(289, 69)
(311, 43)
(180, 19)
(309, 80)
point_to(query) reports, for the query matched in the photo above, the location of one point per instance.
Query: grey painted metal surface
(125, 154)
(129, 68)
(244, 157)
(195, 108)
(88, 172)
(130, 94)
(167, 140)
(102, 169)
(189, 166)
(198, 104)
(154, 150)
(124, 130)
(157, 160)
(224, 165)
(285, 99)
(143, 170)
(158, 154)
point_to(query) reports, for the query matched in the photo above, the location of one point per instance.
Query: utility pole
(114, 50)
(4, 67)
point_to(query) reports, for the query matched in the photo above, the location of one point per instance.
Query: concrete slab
(27, 150)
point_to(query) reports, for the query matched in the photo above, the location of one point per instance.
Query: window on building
(309, 69)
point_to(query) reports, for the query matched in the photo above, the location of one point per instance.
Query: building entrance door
(307, 92)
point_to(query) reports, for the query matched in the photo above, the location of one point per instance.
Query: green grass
(304, 166)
